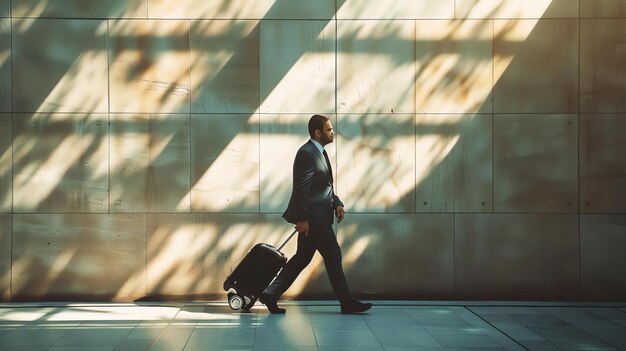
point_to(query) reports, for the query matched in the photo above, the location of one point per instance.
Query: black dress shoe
(354, 306)
(270, 303)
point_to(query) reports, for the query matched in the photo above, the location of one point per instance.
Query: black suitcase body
(253, 274)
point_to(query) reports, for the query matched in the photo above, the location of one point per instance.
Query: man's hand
(303, 227)
(340, 213)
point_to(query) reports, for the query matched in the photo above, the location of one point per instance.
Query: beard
(326, 139)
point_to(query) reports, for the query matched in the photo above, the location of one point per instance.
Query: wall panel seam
(12, 154)
(109, 108)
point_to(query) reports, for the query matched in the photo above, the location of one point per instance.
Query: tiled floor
(314, 325)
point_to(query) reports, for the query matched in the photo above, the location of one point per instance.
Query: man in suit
(312, 206)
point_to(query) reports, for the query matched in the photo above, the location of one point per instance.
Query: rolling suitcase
(253, 274)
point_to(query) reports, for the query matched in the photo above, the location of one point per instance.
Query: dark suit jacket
(312, 198)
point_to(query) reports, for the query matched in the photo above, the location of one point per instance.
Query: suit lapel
(321, 158)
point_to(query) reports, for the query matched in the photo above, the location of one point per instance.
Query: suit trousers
(320, 238)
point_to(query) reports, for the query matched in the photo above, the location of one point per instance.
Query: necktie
(330, 169)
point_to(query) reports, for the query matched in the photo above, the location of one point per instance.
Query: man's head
(321, 130)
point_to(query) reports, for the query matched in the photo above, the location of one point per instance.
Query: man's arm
(302, 179)
(340, 212)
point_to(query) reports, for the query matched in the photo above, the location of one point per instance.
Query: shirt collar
(319, 146)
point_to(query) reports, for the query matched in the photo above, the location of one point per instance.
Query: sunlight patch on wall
(6, 169)
(507, 9)
(193, 254)
(36, 9)
(454, 66)
(297, 66)
(198, 9)
(41, 170)
(355, 251)
(149, 66)
(395, 9)
(376, 162)
(513, 31)
(75, 89)
(432, 148)
(232, 178)
(174, 255)
(376, 66)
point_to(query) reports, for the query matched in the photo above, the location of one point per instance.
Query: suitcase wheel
(249, 302)
(235, 301)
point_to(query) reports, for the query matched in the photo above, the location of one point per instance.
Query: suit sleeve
(302, 179)
(338, 202)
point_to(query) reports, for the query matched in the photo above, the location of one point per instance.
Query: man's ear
(318, 133)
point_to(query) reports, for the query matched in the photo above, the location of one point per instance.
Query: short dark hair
(317, 122)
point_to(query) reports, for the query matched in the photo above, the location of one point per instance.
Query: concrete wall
(146, 145)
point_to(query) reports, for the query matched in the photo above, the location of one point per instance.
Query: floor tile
(174, 338)
(221, 337)
(134, 345)
(93, 337)
(390, 319)
(295, 335)
(351, 348)
(404, 337)
(286, 348)
(81, 348)
(321, 320)
(340, 338)
(32, 337)
(461, 337)
(539, 345)
(572, 339)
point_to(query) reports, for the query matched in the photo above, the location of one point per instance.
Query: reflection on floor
(315, 325)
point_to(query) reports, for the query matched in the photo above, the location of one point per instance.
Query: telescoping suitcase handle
(289, 238)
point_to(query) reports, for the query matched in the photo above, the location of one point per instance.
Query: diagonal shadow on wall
(208, 268)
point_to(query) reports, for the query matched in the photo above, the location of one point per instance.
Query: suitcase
(253, 274)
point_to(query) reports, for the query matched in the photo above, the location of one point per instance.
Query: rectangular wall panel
(225, 163)
(5, 66)
(510, 9)
(454, 167)
(395, 9)
(4, 8)
(602, 246)
(398, 256)
(602, 65)
(516, 256)
(535, 163)
(376, 162)
(454, 66)
(6, 234)
(376, 66)
(60, 163)
(526, 79)
(242, 9)
(297, 66)
(6, 162)
(80, 8)
(60, 65)
(602, 167)
(149, 64)
(79, 256)
(150, 163)
(602, 8)
(225, 66)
